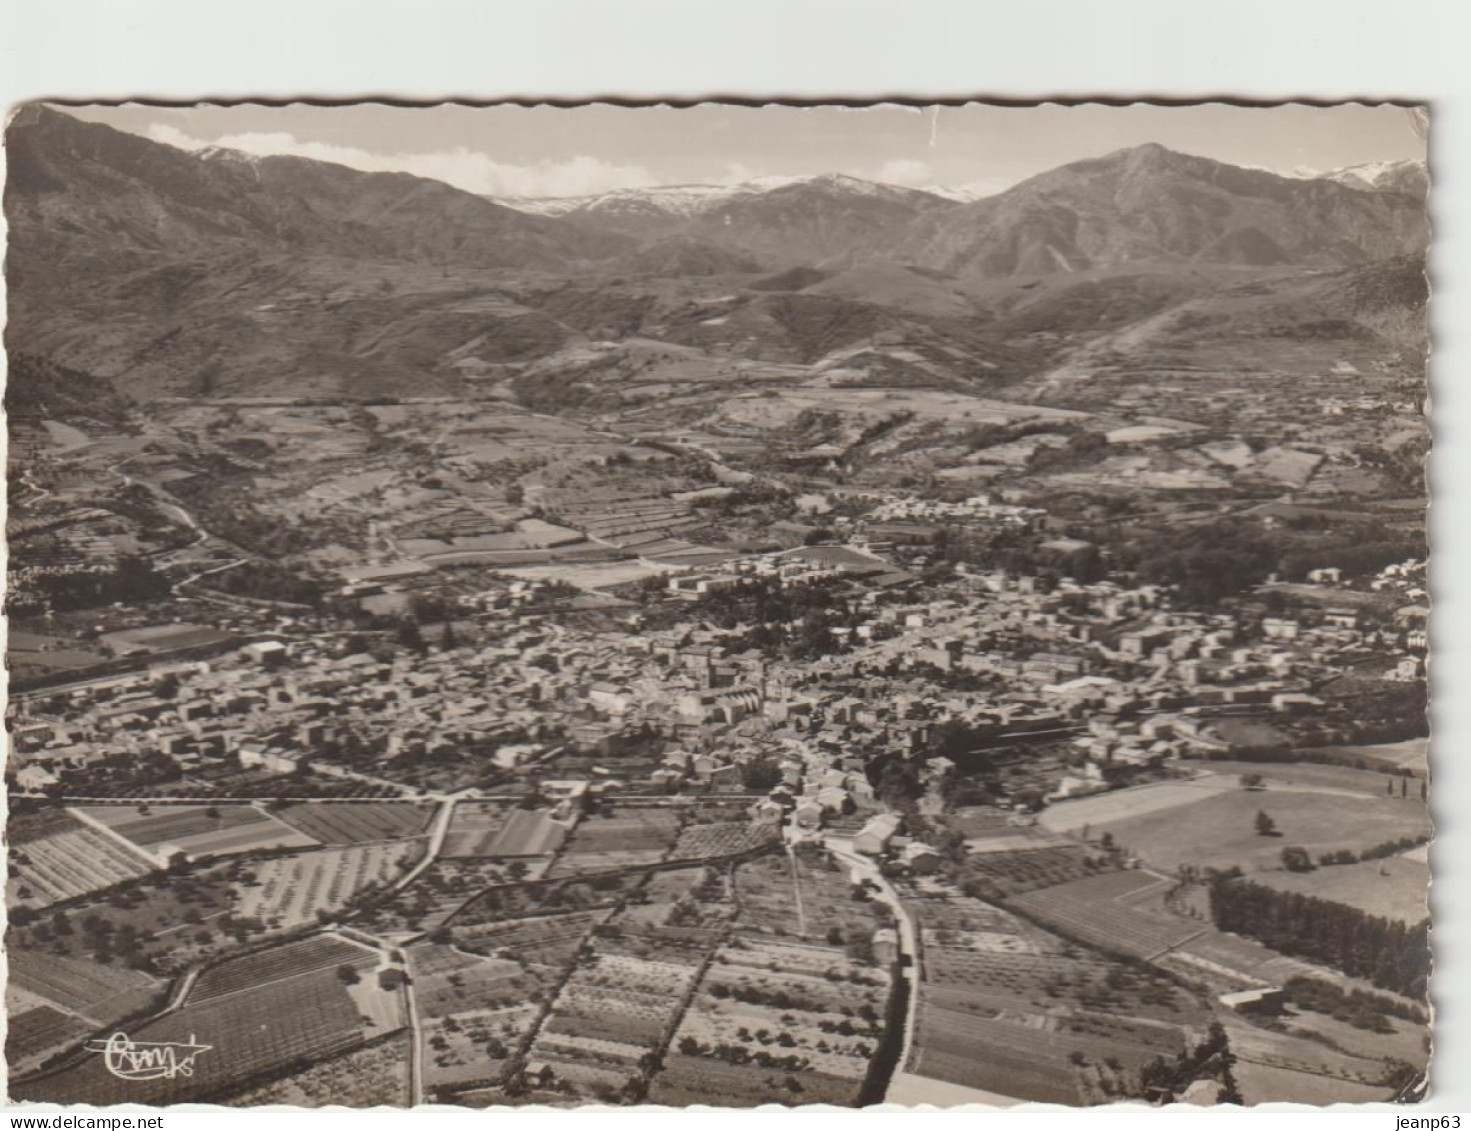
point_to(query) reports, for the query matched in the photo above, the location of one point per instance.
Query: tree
(760, 774)
(1265, 826)
(1251, 781)
(1297, 860)
(348, 975)
(410, 637)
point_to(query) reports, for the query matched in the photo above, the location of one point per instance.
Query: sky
(550, 151)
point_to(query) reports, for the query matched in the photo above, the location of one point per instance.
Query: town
(807, 640)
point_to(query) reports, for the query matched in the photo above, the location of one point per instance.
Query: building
(873, 839)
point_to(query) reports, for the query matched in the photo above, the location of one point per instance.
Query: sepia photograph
(717, 604)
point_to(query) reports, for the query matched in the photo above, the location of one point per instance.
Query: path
(437, 833)
(908, 941)
(797, 890)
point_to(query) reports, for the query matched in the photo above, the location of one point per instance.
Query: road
(866, 869)
(437, 832)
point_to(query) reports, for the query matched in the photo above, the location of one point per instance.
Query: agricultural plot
(1094, 910)
(777, 1022)
(34, 1034)
(77, 985)
(1008, 1009)
(545, 940)
(766, 891)
(546, 896)
(291, 891)
(620, 837)
(372, 1076)
(252, 1034)
(68, 862)
(1394, 888)
(1105, 809)
(483, 828)
(475, 1011)
(350, 823)
(291, 960)
(1220, 831)
(613, 1011)
(722, 838)
(1022, 867)
(695, 901)
(441, 889)
(196, 831)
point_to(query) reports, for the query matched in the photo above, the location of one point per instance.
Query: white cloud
(905, 171)
(463, 168)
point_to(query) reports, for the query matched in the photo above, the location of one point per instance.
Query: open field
(53, 1002)
(1137, 801)
(1394, 888)
(1220, 831)
(1412, 755)
(348, 823)
(1316, 775)
(290, 891)
(1094, 910)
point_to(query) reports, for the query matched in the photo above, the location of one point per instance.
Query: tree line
(1390, 954)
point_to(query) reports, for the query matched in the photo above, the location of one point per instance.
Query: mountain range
(184, 274)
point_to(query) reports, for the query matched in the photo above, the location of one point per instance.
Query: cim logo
(128, 1059)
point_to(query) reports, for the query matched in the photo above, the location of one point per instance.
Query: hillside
(1152, 205)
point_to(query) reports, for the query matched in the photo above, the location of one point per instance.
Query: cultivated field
(252, 1034)
(1096, 910)
(291, 891)
(616, 838)
(1007, 1008)
(196, 831)
(776, 1022)
(320, 952)
(486, 828)
(377, 1074)
(349, 823)
(69, 861)
(77, 985)
(721, 838)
